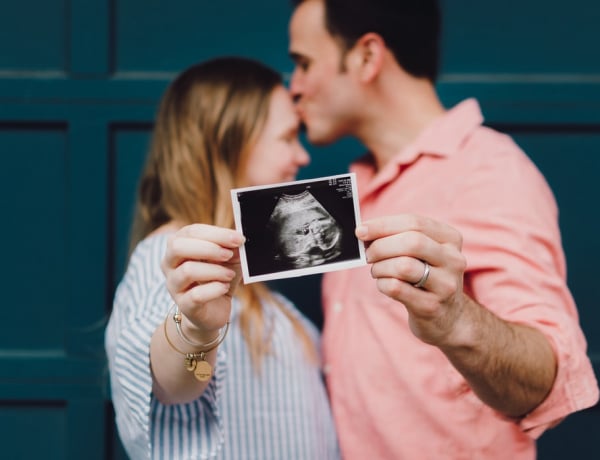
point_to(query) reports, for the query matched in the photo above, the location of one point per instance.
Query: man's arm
(511, 367)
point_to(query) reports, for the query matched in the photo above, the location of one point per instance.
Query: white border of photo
(359, 261)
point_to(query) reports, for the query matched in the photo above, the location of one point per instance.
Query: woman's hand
(202, 271)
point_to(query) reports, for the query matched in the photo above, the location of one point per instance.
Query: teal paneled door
(79, 84)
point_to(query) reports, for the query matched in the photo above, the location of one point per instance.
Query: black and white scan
(298, 228)
(304, 233)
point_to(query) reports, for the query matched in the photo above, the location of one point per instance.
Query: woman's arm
(201, 266)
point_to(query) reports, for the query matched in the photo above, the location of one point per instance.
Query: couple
(458, 340)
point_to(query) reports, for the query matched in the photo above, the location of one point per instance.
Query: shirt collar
(441, 137)
(445, 134)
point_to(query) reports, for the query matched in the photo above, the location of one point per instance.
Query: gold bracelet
(216, 341)
(196, 362)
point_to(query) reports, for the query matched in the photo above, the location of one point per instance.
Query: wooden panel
(89, 38)
(33, 36)
(33, 194)
(130, 144)
(172, 34)
(574, 438)
(516, 37)
(18, 418)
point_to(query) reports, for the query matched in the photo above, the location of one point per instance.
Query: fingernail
(237, 239)
(226, 254)
(361, 231)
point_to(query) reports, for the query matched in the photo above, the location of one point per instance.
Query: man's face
(322, 91)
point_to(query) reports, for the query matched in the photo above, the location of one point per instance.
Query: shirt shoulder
(143, 274)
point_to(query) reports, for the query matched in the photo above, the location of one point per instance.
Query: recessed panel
(173, 34)
(130, 145)
(33, 199)
(33, 35)
(574, 438)
(33, 430)
(515, 36)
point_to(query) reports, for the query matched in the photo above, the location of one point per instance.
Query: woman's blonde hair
(208, 120)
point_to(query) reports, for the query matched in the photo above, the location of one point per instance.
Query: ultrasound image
(298, 228)
(304, 233)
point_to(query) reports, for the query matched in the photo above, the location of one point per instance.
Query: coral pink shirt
(395, 397)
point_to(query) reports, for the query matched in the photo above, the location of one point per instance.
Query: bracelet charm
(203, 371)
(190, 362)
(195, 362)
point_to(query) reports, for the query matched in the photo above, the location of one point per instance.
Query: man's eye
(303, 65)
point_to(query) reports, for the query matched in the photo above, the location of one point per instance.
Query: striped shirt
(280, 413)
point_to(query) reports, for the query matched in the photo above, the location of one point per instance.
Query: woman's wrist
(196, 334)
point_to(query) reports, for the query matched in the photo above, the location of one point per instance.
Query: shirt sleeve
(128, 335)
(516, 268)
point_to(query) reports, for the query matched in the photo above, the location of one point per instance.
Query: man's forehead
(308, 34)
(308, 19)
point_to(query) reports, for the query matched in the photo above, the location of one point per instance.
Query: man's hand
(398, 248)
(511, 367)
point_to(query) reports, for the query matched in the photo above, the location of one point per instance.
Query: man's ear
(367, 56)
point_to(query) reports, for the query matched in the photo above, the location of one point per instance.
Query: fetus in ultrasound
(304, 233)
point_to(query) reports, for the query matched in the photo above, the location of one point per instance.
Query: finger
(234, 260)
(180, 248)
(219, 235)
(190, 273)
(407, 272)
(201, 295)
(390, 225)
(429, 319)
(407, 269)
(412, 244)
(420, 303)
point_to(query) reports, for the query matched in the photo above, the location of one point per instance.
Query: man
(467, 345)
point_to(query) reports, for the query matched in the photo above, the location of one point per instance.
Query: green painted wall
(79, 84)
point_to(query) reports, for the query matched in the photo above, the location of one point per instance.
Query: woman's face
(277, 154)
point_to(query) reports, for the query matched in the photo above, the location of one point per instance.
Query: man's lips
(300, 111)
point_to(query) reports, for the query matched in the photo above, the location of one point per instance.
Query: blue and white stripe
(280, 413)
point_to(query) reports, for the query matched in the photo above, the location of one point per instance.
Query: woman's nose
(302, 156)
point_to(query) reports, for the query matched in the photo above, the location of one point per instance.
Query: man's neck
(397, 117)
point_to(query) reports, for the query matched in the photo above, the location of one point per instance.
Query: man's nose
(295, 87)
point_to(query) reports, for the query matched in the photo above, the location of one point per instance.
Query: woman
(202, 366)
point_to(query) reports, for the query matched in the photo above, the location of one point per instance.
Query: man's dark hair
(410, 28)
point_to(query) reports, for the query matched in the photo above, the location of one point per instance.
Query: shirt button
(337, 307)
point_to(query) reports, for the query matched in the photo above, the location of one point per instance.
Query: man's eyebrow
(295, 56)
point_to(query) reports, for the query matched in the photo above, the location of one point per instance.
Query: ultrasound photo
(298, 228)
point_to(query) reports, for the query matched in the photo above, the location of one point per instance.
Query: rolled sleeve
(516, 269)
(575, 386)
(137, 411)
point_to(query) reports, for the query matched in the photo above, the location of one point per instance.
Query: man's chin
(320, 139)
